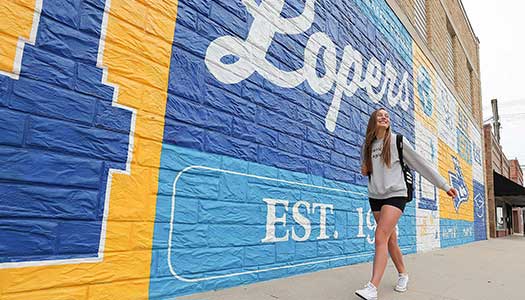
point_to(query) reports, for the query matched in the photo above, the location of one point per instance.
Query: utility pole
(495, 114)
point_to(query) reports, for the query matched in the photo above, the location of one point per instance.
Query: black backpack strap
(407, 174)
(399, 144)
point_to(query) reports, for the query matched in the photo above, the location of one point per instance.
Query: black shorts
(399, 202)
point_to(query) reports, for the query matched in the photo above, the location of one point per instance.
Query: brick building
(445, 30)
(155, 149)
(516, 173)
(504, 186)
(449, 41)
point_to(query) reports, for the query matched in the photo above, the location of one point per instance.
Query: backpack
(407, 173)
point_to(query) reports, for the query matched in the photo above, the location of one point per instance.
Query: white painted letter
(250, 54)
(350, 58)
(301, 220)
(373, 79)
(271, 220)
(391, 75)
(318, 40)
(322, 218)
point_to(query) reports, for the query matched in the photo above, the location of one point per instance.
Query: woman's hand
(364, 170)
(452, 192)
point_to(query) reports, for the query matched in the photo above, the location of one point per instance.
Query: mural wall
(153, 149)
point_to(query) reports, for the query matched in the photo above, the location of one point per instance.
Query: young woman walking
(388, 195)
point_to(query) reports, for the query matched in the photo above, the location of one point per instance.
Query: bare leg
(388, 218)
(395, 253)
(393, 248)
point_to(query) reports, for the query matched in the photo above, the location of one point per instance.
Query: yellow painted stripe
(54, 294)
(134, 30)
(16, 21)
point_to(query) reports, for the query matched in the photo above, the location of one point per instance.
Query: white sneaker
(402, 283)
(369, 292)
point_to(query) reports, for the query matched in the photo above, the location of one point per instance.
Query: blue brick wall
(60, 137)
(456, 232)
(271, 131)
(480, 209)
(257, 179)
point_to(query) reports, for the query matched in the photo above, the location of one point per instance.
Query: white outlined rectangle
(173, 198)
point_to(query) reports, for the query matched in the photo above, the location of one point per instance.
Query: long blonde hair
(371, 130)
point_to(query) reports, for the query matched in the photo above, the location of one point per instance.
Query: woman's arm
(418, 163)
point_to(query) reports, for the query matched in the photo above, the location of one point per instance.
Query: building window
(420, 12)
(500, 222)
(451, 36)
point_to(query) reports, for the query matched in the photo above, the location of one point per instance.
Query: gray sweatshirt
(389, 182)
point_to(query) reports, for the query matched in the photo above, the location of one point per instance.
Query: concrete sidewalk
(493, 269)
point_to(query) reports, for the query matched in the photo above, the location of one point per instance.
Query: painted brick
(187, 87)
(187, 37)
(89, 16)
(73, 204)
(339, 174)
(331, 248)
(77, 237)
(178, 158)
(190, 235)
(354, 245)
(61, 136)
(256, 190)
(232, 104)
(229, 163)
(45, 66)
(290, 144)
(88, 81)
(191, 261)
(259, 255)
(279, 123)
(79, 46)
(220, 122)
(345, 147)
(186, 210)
(253, 133)
(12, 125)
(112, 118)
(18, 165)
(65, 12)
(233, 188)
(185, 111)
(221, 144)
(284, 251)
(232, 14)
(4, 89)
(188, 213)
(272, 157)
(320, 138)
(184, 134)
(41, 99)
(197, 183)
(305, 250)
(42, 232)
(315, 152)
(214, 212)
(233, 236)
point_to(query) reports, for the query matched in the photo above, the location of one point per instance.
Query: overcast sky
(500, 27)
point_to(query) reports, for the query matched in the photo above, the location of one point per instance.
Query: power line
(505, 116)
(512, 114)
